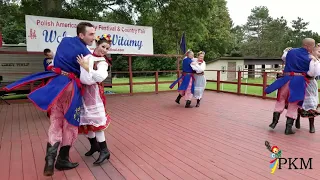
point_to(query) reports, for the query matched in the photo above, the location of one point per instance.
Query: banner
(47, 32)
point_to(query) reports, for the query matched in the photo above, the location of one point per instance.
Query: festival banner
(47, 32)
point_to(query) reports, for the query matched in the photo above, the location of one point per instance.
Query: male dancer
(292, 85)
(62, 94)
(186, 88)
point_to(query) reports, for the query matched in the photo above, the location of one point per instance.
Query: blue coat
(65, 59)
(297, 61)
(186, 76)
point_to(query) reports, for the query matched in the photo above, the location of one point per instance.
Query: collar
(81, 41)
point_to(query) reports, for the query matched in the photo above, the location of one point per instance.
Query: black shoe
(104, 153)
(178, 99)
(198, 103)
(188, 104)
(289, 125)
(63, 162)
(94, 147)
(276, 116)
(311, 125)
(298, 122)
(50, 159)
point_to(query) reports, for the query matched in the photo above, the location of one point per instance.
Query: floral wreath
(106, 37)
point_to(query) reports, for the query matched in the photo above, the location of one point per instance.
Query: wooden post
(239, 83)
(218, 81)
(31, 86)
(157, 82)
(264, 85)
(178, 70)
(130, 75)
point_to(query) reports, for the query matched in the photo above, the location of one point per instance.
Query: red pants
(187, 93)
(60, 130)
(283, 95)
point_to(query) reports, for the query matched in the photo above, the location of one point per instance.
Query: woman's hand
(82, 62)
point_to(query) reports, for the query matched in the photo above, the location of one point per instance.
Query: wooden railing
(237, 83)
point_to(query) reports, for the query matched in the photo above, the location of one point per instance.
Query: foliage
(207, 25)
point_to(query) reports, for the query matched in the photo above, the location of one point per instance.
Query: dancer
(186, 88)
(311, 101)
(292, 85)
(48, 58)
(93, 118)
(200, 80)
(62, 95)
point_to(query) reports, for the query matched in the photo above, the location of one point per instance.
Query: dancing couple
(69, 100)
(300, 66)
(193, 79)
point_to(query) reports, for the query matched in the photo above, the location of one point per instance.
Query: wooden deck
(151, 137)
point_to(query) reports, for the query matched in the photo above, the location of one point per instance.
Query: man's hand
(82, 62)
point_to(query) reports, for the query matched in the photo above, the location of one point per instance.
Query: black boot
(311, 125)
(104, 153)
(198, 103)
(298, 122)
(188, 104)
(276, 116)
(178, 99)
(50, 159)
(289, 125)
(94, 147)
(63, 162)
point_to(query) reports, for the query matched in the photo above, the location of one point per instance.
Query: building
(252, 67)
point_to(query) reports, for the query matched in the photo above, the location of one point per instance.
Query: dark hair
(100, 41)
(81, 27)
(46, 51)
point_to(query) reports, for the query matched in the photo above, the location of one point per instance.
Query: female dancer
(94, 118)
(200, 80)
(311, 101)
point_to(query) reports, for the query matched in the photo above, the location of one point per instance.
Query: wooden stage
(151, 137)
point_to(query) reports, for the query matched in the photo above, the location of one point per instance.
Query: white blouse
(314, 68)
(94, 76)
(198, 68)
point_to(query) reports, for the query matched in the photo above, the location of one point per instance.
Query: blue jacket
(297, 61)
(66, 60)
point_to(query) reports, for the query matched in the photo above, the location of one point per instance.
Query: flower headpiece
(201, 52)
(106, 37)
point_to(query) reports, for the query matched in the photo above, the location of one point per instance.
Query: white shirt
(198, 68)
(94, 76)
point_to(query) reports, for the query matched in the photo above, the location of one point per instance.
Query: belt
(71, 76)
(294, 74)
(200, 74)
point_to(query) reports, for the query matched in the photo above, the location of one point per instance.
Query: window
(245, 66)
(239, 68)
(223, 68)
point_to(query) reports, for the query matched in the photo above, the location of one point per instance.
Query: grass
(162, 87)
